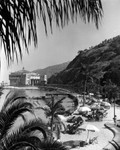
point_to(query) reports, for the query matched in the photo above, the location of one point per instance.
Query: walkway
(114, 144)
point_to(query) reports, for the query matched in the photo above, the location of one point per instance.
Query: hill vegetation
(92, 67)
(49, 71)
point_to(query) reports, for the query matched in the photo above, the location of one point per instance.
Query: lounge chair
(93, 140)
(72, 129)
(75, 119)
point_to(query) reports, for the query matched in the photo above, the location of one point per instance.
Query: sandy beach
(104, 135)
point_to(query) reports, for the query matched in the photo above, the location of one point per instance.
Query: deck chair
(93, 140)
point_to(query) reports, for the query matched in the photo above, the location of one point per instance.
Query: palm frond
(18, 142)
(18, 20)
(65, 10)
(26, 134)
(14, 16)
(47, 111)
(52, 145)
(13, 96)
(13, 93)
(48, 102)
(8, 117)
(56, 107)
(58, 103)
(52, 107)
(33, 125)
(58, 126)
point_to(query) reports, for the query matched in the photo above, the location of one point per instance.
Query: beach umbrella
(95, 106)
(62, 118)
(91, 94)
(84, 109)
(106, 104)
(100, 100)
(65, 118)
(92, 128)
(81, 110)
(94, 99)
(76, 112)
(89, 128)
(99, 96)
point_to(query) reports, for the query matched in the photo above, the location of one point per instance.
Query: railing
(67, 88)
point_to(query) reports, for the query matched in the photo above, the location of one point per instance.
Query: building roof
(23, 71)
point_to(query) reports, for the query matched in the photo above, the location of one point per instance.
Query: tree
(48, 145)
(53, 109)
(87, 78)
(24, 136)
(18, 20)
(111, 90)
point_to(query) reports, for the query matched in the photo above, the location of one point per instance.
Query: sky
(64, 44)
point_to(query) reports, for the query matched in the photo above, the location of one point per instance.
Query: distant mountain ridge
(102, 62)
(50, 70)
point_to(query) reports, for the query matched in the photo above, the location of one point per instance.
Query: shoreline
(21, 87)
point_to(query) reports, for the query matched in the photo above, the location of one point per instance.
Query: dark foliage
(52, 145)
(98, 64)
(29, 134)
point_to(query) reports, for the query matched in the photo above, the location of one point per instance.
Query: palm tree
(52, 110)
(1, 89)
(86, 78)
(18, 20)
(14, 96)
(48, 145)
(25, 135)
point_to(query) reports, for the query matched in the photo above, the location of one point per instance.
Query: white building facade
(26, 78)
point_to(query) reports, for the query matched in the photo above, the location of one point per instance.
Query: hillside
(101, 62)
(49, 71)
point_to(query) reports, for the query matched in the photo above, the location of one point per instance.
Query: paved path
(115, 142)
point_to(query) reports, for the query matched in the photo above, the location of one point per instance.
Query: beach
(103, 137)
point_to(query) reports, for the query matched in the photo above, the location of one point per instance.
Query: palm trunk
(51, 125)
(84, 92)
(114, 113)
(52, 115)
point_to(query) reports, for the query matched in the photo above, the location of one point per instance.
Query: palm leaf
(53, 108)
(15, 93)
(33, 125)
(48, 102)
(58, 124)
(65, 10)
(18, 20)
(14, 16)
(56, 107)
(13, 96)
(25, 134)
(47, 111)
(15, 141)
(58, 103)
(52, 145)
(8, 117)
